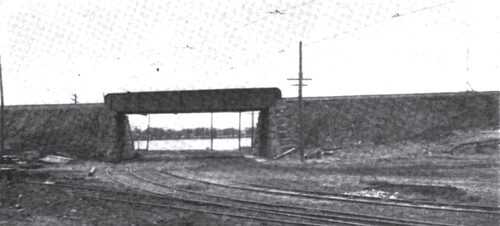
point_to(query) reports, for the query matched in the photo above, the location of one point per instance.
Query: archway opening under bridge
(222, 131)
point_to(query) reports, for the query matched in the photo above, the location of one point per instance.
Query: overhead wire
(307, 22)
(305, 26)
(395, 16)
(284, 12)
(269, 15)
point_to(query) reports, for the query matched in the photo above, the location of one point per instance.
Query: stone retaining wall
(83, 131)
(342, 121)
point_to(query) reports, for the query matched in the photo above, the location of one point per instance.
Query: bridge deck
(215, 100)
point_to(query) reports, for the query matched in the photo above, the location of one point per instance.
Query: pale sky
(54, 48)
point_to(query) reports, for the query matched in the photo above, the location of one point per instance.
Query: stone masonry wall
(342, 121)
(83, 131)
(115, 140)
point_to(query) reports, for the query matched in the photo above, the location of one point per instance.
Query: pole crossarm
(300, 126)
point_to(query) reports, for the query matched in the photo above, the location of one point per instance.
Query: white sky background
(52, 49)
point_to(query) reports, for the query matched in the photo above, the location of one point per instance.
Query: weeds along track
(345, 198)
(294, 211)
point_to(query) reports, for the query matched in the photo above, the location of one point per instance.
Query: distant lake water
(222, 144)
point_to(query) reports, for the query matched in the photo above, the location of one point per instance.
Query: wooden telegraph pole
(211, 131)
(2, 112)
(300, 123)
(75, 98)
(252, 140)
(239, 132)
(149, 133)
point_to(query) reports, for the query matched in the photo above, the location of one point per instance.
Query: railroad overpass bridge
(197, 101)
(101, 131)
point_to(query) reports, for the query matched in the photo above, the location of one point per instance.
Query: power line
(301, 5)
(395, 16)
(305, 24)
(429, 7)
(234, 29)
(282, 12)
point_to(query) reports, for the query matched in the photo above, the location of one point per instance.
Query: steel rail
(482, 207)
(313, 217)
(301, 215)
(262, 219)
(334, 198)
(326, 213)
(215, 204)
(159, 205)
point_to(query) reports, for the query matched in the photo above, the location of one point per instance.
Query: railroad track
(123, 196)
(300, 219)
(314, 214)
(490, 209)
(222, 205)
(348, 198)
(475, 144)
(160, 205)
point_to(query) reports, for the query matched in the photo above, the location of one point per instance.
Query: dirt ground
(463, 168)
(28, 204)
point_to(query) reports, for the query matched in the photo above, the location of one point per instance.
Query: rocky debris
(288, 152)
(373, 193)
(255, 158)
(25, 160)
(8, 159)
(55, 159)
(424, 192)
(92, 171)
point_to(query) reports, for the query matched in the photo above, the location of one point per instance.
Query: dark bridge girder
(190, 101)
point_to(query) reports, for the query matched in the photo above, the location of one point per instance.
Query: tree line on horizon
(154, 133)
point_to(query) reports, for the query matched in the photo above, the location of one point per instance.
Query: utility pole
(239, 132)
(252, 140)
(75, 98)
(2, 112)
(211, 131)
(149, 133)
(300, 124)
